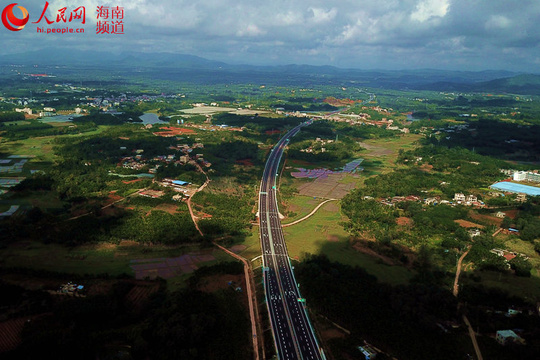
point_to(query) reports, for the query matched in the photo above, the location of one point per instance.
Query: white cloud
(345, 32)
(322, 15)
(250, 30)
(427, 9)
(498, 22)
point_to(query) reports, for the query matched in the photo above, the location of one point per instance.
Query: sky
(364, 34)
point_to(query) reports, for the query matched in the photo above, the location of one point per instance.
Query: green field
(40, 148)
(301, 206)
(90, 259)
(381, 154)
(526, 288)
(322, 234)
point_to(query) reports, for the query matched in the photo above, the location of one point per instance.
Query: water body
(151, 118)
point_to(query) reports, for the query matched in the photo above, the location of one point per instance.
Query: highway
(294, 336)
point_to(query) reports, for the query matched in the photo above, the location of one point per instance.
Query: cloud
(371, 33)
(498, 22)
(250, 30)
(321, 15)
(427, 9)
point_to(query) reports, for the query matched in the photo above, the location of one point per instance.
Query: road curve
(294, 336)
(308, 215)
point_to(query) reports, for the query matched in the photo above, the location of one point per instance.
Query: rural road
(252, 300)
(308, 215)
(455, 291)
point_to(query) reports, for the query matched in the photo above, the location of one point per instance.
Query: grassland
(91, 259)
(523, 287)
(322, 234)
(301, 206)
(40, 148)
(381, 154)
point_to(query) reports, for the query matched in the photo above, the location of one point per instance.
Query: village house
(459, 197)
(505, 337)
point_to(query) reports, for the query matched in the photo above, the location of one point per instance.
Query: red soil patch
(340, 102)
(272, 132)
(168, 208)
(10, 331)
(493, 220)
(131, 181)
(140, 293)
(426, 167)
(404, 221)
(10, 334)
(112, 198)
(245, 162)
(511, 213)
(173, 131)
(238, 248)
(129, 243)
(331, 333)
(333, 238)
(468, 224)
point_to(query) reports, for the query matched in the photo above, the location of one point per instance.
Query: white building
(526, 176)
(459, 197)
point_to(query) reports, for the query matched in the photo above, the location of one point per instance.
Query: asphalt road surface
(293, 334)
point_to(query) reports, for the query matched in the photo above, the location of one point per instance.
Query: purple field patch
(302, 173)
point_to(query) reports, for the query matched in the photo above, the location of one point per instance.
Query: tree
(522, 266)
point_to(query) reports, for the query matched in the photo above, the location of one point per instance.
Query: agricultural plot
(10, 334)
(331, 186)
(167, 268)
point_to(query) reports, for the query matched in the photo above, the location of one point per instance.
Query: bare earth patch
(238, 248)
(221, 282)
(426, 167)
(332, 333)
(376, 150)
(333, 238)
(468, 224)
(487, 218)
(365, 250)
(404, 221)
(168, 208)
(169, 267)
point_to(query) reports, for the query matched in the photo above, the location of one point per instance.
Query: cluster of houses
(468, 200)
(397, 199)
(71, 289)
(49, 111)
(137, 162)
(459, 199)
(508, 255)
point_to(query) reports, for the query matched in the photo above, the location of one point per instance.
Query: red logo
(8, 18)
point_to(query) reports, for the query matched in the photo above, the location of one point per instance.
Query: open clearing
(210, 110)
(109, 258)
(333, 186)
(468, 224)
(322, 234)
(384, 152)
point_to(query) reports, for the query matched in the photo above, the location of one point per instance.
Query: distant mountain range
(200, 70)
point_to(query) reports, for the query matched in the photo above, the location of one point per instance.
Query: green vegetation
(387, 257)
(119, 321)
